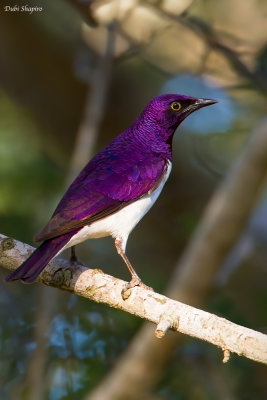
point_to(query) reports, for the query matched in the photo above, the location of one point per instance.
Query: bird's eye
(175, 106)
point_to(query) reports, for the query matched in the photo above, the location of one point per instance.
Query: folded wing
(104, 186)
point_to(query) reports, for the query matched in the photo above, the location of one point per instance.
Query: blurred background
(72, 76)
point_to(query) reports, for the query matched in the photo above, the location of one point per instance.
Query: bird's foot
(126, 292)
(75, 261)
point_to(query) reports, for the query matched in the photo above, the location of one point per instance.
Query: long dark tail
(33, 266)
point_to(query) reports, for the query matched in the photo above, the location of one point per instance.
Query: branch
(94, 285)
(213, 40)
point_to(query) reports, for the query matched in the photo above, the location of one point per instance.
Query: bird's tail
(33, 266)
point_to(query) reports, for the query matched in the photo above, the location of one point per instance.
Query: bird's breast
(122, 222)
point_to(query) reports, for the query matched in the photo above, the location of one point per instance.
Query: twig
(214, 41)
(102, 288)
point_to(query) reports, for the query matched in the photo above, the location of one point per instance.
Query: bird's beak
(199, 103)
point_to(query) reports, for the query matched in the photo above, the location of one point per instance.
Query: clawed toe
(142, 285)
(134, 282)
(76, 262)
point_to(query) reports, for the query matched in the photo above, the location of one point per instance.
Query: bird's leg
(135, 281)
(73, 257)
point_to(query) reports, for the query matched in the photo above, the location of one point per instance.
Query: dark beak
(199, 103)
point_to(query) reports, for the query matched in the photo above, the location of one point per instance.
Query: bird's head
(167, 111)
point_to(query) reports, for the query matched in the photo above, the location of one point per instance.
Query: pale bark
(162, 311)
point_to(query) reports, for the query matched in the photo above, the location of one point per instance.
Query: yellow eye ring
(175, 106)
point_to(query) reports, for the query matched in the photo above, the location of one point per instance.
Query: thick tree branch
(164, 312)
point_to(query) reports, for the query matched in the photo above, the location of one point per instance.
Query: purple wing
(112, 179)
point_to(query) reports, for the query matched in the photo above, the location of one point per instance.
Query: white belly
(122, 222)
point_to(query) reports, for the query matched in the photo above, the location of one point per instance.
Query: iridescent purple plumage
(126, 171)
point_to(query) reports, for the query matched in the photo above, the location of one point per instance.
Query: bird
(116, 188)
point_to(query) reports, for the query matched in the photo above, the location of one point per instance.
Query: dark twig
(213, 40)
